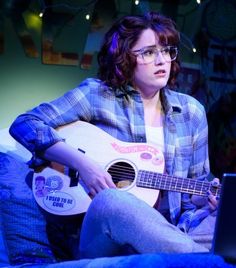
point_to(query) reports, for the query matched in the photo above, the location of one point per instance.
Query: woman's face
(150, 77)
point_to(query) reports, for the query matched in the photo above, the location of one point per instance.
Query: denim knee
(110, 202)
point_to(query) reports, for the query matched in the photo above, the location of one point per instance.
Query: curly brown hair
(115, 59)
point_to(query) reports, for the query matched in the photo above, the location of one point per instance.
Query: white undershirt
(155, 136)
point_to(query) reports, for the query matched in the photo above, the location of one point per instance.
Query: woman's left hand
(212, 199)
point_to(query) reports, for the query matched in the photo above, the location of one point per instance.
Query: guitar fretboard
(158, 181)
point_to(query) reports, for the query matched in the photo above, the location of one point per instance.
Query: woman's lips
(160, 73)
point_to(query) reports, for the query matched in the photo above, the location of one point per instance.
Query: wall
(24, 79)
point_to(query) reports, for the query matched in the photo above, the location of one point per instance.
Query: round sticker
(59, 201)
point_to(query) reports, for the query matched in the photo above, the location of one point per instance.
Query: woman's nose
(159, 58)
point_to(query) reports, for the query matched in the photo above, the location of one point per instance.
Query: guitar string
(118, 172)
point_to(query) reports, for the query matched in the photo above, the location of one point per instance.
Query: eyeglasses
(149, 54)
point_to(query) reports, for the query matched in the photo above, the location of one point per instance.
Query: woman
(133, 100)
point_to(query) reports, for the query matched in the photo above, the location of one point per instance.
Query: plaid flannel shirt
(120, 113)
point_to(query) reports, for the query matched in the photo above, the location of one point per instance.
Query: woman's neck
(153, 114)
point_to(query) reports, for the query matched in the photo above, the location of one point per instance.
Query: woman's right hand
(94, 177)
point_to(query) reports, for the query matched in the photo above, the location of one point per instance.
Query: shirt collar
(120, 92)
(170, 101)
(126, 90)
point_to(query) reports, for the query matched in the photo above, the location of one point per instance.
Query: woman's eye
(165, 50)
(148, 52)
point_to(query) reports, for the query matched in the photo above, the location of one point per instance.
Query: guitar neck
(158, 181)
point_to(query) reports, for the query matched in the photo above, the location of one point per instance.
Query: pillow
(24, 226)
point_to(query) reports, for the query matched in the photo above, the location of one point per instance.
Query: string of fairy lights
(185, 40)
(75, 8)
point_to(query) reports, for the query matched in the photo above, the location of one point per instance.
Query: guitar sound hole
(123, 174)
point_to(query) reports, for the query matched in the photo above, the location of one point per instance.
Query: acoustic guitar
(134, 167)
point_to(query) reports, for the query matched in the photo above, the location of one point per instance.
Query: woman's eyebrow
(146, 47)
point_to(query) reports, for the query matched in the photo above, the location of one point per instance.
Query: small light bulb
(87, 17)
(198, 1)
(41, 14)
(136, 2)
(194, 50)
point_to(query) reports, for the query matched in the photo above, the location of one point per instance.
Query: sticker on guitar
(134, 167)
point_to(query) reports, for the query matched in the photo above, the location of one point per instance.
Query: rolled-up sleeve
(36, 129)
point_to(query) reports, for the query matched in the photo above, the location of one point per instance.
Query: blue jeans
(118, 221)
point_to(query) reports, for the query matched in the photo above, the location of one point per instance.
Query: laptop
(224, 243)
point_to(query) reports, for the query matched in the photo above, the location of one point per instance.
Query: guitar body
(53, 188)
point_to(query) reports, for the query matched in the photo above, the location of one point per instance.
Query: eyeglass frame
(157, 51)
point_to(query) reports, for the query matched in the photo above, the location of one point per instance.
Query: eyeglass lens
(168, 53)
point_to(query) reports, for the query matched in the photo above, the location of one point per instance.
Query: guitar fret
(158, 181)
